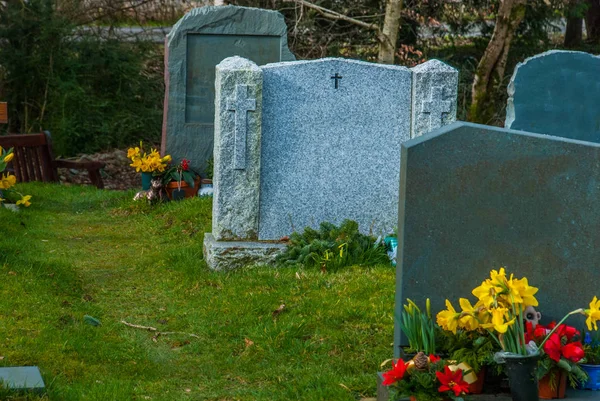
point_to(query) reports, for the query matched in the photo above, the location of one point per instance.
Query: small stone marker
(475, 198)
(300, 143)
(3, 113)
(197, 43)
(23, 378)
(556, 93)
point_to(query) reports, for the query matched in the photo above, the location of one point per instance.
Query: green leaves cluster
(332, 247)
(418, 327)
(91, 93)
(474, 348)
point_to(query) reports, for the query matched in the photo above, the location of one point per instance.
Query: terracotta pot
(189, 192)
(546, 391)
(477, 387)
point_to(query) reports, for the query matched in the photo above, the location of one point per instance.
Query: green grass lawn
(81, 251)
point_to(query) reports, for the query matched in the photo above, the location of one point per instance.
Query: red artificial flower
(434, 358)
(395, 374)
(568, 331)
(452, 381)
(573, 351)
(185, 164)
(540, 331)
(552, 347)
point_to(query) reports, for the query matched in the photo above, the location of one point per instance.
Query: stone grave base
(228, 255)
(22, 379)
(383, 394)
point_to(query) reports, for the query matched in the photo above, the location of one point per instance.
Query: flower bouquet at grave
(147, 162)
(500, 307)
(180, 180)
(560, 355)
(426, 378)
(8, 181)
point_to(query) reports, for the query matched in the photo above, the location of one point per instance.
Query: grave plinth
(22, 379)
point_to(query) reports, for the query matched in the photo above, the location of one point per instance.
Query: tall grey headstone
(475, 198)
(556, 93)
(197, 43)
(329, 136)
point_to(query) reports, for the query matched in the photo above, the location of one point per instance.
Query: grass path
(80, 251)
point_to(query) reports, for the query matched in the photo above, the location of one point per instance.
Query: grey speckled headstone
(475, 198)
(22, 378)
(556, 93)
(329, 148)
(197, 43)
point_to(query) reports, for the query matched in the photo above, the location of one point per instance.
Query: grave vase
(549, 391)
(593, 383)
(522, 377)
(146, 181)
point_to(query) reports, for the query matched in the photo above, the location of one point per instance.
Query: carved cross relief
(241, 105)
(435, 107)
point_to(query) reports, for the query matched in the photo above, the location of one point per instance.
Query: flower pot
(189, 192)
(593, 371)
(146, 181)
(477, 386)
(560, 386)
(522, 377)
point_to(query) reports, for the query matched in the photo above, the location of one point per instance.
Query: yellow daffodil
(448, 319)
(24, 201)
(468, 319)
(7, 181)
(593, 314)
(521, 292)
(8, 157)
(499, 322)
(486, 293)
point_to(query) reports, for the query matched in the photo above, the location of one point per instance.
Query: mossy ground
(81, 251)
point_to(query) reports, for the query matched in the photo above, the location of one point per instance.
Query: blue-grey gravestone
(475, 198)
(556, 93)
(197, 43)
(22, 378)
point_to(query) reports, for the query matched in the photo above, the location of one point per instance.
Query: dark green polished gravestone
(198, 42)
(475, 198)
(556, 93)
(22, 378)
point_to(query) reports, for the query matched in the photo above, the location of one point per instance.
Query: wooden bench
(33, 159)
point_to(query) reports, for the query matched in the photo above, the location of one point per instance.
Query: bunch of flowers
(180, 172)
(427, 379)
(147, 162)
(7, 180)
(500, 308)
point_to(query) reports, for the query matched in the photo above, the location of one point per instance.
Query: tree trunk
(592, 21)
(493, 63)
(574, 33)
(391, 25)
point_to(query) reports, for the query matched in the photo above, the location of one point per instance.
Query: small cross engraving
(435, 107)
(240, 105)
(337, 77)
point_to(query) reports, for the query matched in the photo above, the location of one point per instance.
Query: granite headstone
(556, 93)
(196, 44)
(475, 198)
(327, 147)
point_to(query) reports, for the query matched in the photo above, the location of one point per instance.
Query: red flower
(433, 358)
(395, 374)
(452, 381)
(185, 164)
(573, 351)
(553, 347)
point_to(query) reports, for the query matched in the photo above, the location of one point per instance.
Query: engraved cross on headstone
(435, 107)
(240, 105)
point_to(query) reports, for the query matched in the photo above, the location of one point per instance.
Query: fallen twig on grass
(155, 330)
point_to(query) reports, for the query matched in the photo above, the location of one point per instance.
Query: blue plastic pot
(146, 181)
(593, 372)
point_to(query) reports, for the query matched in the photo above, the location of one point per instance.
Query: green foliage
(474, 348)
(574, 373)
(332, 247)
(423, 385)
(91, 93)
(591, 347)
(419, 328)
